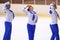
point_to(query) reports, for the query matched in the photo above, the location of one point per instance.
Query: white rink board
(19, 29)
(40, 9)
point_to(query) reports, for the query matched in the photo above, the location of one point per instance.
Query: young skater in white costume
(8, 22)
(54, 21)
(32, 20)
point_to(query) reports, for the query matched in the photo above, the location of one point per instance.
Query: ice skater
(8, 22)
(32, 20)
(54, 19)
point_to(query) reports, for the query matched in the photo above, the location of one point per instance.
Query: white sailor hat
(6, 4)
(51, 6)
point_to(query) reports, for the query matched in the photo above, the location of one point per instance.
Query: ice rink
(19, 28)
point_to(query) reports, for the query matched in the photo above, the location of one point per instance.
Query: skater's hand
(36, 21)
(59, 18)
(28, 5)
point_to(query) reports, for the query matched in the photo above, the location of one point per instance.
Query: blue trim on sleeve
(12, 13)
(50, 12)
(33, 14)
(10, 10)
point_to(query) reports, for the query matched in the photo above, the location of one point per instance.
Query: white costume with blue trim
(54, 17)
(53, 14)
(32, 16)
(9, 13)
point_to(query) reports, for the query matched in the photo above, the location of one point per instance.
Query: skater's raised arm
(6, 7)
(27, 9)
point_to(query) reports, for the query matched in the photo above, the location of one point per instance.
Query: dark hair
(29, 8)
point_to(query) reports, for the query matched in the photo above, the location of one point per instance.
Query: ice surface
(19, 28)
